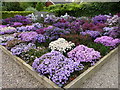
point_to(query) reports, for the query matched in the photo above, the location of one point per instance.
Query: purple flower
(82, 53)
(93, 34)
(99, 19)
(107, 41)
(28, 36)
(57, 66)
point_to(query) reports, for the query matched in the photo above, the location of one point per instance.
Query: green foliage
(7, 14)
(40, 6)
(32, 54)
(25, 5)
(99, 47)
(85, 9)
(11, 6)
(30, 9)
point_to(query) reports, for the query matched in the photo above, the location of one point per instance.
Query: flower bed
(64, 49)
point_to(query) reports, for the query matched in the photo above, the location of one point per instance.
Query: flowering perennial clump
(7, 30)
(28, 36)
(93, 34)
(82, 53)
(18, 18)
(40, 38)
(18, 49)
(61, 45)
(57, 66)
(107, 41)
(99, 19)
(62, 24)
(54, 33)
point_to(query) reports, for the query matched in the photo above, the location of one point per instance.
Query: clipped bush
(7, 14)
(85, 9)
(30, 9)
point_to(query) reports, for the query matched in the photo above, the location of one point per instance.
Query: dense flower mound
(7, 30)
(50, 19)
(113, 20)
(18, 49)
(40, 38)
(54, 33)
(61, 45)
(93, 34)
(2, 26)
(17, 18)
(28, 36)
(62, 24)
(82, 53)
(99, 19)
(33, 27)
(95, 27)
(112, 32)
(107, 41)
(57, 66)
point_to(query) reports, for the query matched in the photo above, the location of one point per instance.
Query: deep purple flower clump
(57, 66)
(62, 24)
(82, 53)
(107, 41)
(28, 36)
(17, 18)
(54, 33)
(93, 34)
(99, 19)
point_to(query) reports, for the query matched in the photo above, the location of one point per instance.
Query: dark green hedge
(85, 9)
(6, 14)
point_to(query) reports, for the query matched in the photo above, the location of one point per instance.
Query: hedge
(85, 9)
(6, 14)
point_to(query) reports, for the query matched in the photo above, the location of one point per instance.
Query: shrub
(7, 14)
(11, 6)
(85, 9)
(30, 9)
(40, 6)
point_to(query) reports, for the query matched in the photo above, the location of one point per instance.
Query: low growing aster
(99, 19)
(28, 36)
(82, 53)
(7, 30)
(18, 49)
(107, 41)
(93, 34)
(56, 66)
(61, 45)
(54, 33)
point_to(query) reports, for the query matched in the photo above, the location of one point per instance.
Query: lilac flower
(99, 19)
(93, 34)
(16, 24)
(107, 41)
(40, 38)
(82, 53)
(57, 66)
(28, 36)
(18, 49)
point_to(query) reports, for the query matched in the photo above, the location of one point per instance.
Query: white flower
(61, 45)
